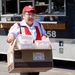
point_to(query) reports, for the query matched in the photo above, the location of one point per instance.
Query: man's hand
(10, 38)
(44, 37)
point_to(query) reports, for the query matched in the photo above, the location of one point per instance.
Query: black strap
(19, 25)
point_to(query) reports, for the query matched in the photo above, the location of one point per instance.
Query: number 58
(51, 33)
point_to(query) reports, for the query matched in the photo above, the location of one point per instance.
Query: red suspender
(27, 31)
(38, 37)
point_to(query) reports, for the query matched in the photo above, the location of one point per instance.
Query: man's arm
(13, 33)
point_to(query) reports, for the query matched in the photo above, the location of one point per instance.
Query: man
(27, 26)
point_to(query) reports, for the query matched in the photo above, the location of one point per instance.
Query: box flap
(12, 45)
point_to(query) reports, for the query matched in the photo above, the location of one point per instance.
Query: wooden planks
(46, 25)
(55, 26)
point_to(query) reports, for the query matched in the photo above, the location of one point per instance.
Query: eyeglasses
(29, 14)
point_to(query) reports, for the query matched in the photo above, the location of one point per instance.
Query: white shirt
(15, 29)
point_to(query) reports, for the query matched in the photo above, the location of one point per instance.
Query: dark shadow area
(4, 31)
(11, 6)
(64, 64)
(3, 57)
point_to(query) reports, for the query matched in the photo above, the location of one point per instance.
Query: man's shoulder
(37, 23)
(21, 23)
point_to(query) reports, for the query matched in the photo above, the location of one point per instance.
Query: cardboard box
(29, 60)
